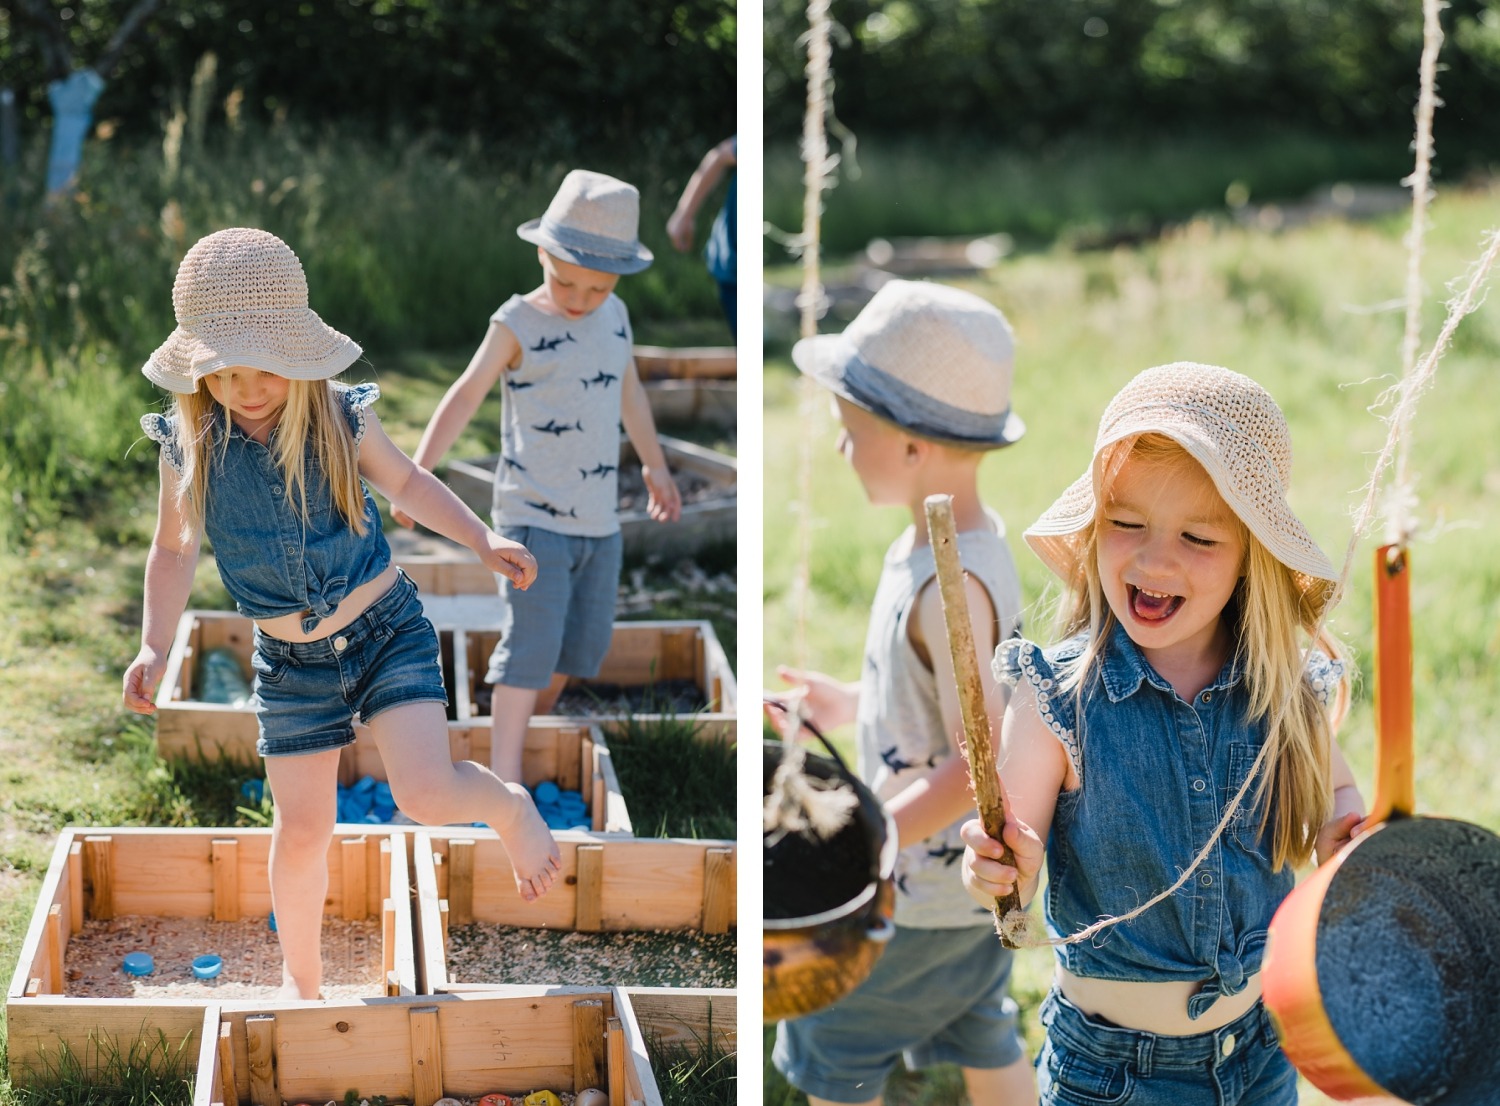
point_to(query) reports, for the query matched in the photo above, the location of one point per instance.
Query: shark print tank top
(560, 420)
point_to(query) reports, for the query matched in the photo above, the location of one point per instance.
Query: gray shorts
(307, 693)
(563, 622)
(935, 996)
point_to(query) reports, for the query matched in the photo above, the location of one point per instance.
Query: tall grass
(1082, 189)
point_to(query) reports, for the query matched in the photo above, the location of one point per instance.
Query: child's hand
(826, 703)
(141, 680)
(402, 518)
(680, 231)
(1337, 833)
(663, 501)
(510, 559)
(985, 878)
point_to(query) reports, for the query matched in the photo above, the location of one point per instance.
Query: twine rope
(1417, 375)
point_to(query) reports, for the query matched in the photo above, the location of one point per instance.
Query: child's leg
(429, 787)
(305, 790)
(511, 709)
(1012, 1085)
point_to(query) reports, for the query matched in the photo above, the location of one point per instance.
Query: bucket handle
(881, 930)
(1395, 783)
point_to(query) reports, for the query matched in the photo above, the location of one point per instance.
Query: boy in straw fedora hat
(1187, 674)
(563, 354)
(268, 456)
(921, 383)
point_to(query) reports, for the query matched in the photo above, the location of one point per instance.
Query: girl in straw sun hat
(266, 454)
(1192, 592)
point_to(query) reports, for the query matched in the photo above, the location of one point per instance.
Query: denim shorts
(1091, 1062)
(934, 996)
(563, 622)
(307, 693)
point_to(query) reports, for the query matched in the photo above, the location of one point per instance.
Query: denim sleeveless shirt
(272, 562)
(899, 728)
(1156, 774)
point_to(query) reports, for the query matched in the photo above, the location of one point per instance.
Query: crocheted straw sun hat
(592, 221)
(934, 360)
(241, 301)
(1231, 426)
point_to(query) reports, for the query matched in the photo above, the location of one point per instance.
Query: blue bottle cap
(207, 966)
(138, 963)
(547, 792)
(271, 921)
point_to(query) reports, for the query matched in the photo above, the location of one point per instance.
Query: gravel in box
(482, 953)
(249, 949)
(690, 486)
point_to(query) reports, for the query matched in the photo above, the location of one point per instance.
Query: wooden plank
(640, 1084)
(260, 1047)
(460, 882)
(590, 909)
(57, 940)
(718, 890)
(355, 881)
(208, 1082)
(225, 1056)
(432, 934)
(98, 853)
(685, 362)
(570, 759)
(75, 887)
(426, 1056)
(226, 875)
(686, 1017)
(38, 1026)
(681, 655)
(614, 817)
(588, 1044)
(614, 1049)
(388, 947)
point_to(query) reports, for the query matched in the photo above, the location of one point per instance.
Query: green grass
(1293, 310)
(675, 783)
(150, 1071)
(703, 1074)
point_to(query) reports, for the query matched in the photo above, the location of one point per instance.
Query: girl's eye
(1194, 539)
(1121, 524)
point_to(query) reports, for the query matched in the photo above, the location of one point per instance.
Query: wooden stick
(984, 778)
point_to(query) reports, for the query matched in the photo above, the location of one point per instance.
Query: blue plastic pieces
(138, 963)
(207, 966)
(561, 810)
(369, 800)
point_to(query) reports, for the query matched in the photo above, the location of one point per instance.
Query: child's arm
(709, 172)
(497, 353)
(169, 582)
(1035, 770)
(1348, 807)
(932, 804)
(422, 496)
(664, 504)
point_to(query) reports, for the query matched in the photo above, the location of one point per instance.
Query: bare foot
(290, 990)
(533, 852)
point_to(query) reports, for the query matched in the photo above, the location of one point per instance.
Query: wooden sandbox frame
(98, 873)
(608, 883)
(514, 1041)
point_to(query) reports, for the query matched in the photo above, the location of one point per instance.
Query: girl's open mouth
(1152, 606)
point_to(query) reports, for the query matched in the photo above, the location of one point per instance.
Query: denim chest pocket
(1085, 1081)
(1247, 821)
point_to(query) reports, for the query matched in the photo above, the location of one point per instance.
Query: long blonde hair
(311, 415)
(1270, 617)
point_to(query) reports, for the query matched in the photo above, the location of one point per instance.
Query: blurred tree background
(1272, 97)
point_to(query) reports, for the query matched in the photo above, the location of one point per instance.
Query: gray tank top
(900, 728)
(560, 420)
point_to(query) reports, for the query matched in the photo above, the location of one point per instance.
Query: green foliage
(675, 782)
(555, 78)
(1024, 73)
(700, 1074)
(150, 1071)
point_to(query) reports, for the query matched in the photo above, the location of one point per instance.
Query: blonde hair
(311, 415)
(1269, 616)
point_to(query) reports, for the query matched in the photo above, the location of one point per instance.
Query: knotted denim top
(1156, 774)
(272, 561)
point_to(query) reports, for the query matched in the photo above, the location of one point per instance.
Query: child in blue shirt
(265, 454)
(563, 353)
(1187, 671)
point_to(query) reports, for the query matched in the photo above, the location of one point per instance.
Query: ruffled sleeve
(354, 400)
(163, 431)
(1325, 675)
(1017, 659)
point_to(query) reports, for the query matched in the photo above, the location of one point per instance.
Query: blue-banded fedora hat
(593, 221)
